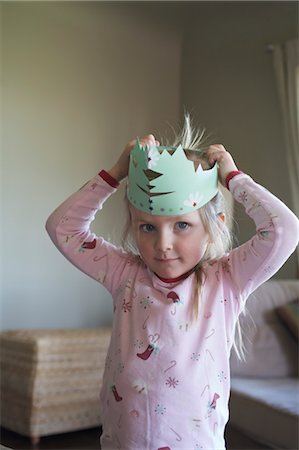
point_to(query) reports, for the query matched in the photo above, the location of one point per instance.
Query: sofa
(264, 402)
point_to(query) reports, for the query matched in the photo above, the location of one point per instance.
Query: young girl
(177, 300)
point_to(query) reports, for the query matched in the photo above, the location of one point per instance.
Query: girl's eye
(182, 225)
(146, 227)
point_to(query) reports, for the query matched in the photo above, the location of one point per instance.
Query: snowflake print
(221, 376)
(127, 306)
(153, 157)
(243, 196)
(193, 200)
(138, 343)
(172, 382)
(146, 302)
(120, 367)
(93, 186)
(64, 219)
(195, 356)
(160, 409)
(226, 265)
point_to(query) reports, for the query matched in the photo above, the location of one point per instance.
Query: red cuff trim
(230, 176)
(109, 179)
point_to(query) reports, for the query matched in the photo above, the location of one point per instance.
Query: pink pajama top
(167, 382)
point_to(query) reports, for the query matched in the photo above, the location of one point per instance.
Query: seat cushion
(270, 349)
(267, 410)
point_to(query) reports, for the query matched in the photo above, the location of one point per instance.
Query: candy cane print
(154, 338)
(119, 421)
(178, 438)
(144, 323)
(98, 258)
(208, 352)
(173, 363)
(211, 333)
(207, 386)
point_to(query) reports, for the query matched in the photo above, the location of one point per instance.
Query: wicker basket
(51, 380)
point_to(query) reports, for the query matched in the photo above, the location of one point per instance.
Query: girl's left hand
(217, 153)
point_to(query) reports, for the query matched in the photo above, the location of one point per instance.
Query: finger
(149, 140)
(215, 153)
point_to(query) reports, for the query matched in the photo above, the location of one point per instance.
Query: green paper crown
(166, 183)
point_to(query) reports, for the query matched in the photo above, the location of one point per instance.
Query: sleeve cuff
(230, 176)
(109, 179)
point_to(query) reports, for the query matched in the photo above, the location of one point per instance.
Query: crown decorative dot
(163, 181)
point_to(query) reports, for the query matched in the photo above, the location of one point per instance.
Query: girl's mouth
(166, 260)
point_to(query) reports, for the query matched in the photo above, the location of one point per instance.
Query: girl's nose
(164, 242)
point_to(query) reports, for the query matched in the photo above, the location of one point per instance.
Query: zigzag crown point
(177, 160)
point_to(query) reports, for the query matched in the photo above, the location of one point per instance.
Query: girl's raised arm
(277, 228)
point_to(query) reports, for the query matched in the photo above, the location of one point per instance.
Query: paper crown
(163, 181)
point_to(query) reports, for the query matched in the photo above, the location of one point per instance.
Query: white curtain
(286, 66)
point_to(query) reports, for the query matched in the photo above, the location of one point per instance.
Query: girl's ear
(221, 216)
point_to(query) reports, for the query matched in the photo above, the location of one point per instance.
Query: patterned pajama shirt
(166, 384)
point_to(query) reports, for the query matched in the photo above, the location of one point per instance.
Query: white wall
(228, 83)
(79, 81)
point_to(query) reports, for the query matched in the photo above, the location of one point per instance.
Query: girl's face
(169, 245)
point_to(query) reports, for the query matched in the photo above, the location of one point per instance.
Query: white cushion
(267, 410)
(271, 350)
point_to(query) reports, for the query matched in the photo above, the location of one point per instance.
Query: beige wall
(80, 79)
(228, 83)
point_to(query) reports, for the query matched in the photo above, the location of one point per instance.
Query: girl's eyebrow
(141, 220)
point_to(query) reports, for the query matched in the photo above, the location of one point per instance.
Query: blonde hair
(220, 235)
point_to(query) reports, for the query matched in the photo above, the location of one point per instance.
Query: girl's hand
(217, 153)
(120, 170)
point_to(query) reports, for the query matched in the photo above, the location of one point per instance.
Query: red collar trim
(175, 280)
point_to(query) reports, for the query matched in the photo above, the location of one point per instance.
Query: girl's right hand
(120, 170)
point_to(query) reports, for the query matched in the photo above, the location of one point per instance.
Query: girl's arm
(276, 237)
(69, 228)
(277, 229)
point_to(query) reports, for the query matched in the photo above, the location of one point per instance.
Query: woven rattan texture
(51, 379)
